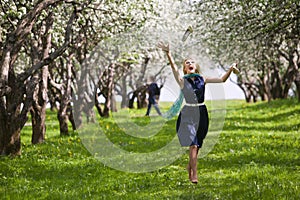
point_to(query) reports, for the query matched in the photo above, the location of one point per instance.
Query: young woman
(192, 122)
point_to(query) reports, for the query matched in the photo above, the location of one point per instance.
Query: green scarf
(175, 108)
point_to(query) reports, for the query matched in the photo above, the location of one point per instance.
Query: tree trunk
(79, 103)
(63, 122)
(140, 94)
(290, 76)
(131, 100)
(142, 99)
(11, 125)
(124, 102)
(113, 103)
(66, 96)
(71, 116)
(85, 101)
(109, 86)
(12, 142)
(13, 115)
(249, 92)
(298, 89)
(38, 111)
(297, 83)
(62, 114)
(98, 104)
(266, 83)
(38, 125)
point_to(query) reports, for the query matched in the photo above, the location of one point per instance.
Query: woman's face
(190, 66)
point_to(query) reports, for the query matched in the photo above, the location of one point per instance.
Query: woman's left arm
(223, 78)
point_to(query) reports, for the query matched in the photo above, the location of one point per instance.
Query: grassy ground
(256, 157)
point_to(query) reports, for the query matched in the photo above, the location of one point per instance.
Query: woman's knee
(193, 147)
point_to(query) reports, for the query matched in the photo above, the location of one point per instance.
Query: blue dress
(192, 123)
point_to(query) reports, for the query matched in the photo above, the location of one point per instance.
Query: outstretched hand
(164, 47)
(234, 68)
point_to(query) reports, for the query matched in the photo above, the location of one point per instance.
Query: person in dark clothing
(153, 95)
(192, 122)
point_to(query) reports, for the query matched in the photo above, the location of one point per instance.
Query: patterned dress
(192, 123)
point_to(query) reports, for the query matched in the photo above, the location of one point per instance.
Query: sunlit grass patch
(256, 157)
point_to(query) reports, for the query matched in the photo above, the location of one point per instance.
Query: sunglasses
(189, 62)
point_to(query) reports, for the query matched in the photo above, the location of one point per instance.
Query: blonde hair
(197, 66)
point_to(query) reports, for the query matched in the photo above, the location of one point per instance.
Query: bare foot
(195, 180)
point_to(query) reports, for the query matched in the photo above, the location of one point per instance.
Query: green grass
(256, 157)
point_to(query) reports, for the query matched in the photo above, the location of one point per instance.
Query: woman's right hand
(164, 47)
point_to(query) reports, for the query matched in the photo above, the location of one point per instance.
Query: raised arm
(224, 77)
(177, 76)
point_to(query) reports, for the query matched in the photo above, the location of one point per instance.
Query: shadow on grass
(242, 166)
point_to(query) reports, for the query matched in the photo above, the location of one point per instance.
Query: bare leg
(193, 163)
(189, 169)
